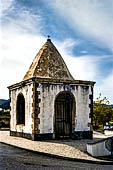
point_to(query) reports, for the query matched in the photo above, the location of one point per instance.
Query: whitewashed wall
(27, 93)
(100, 148)
(48, 94)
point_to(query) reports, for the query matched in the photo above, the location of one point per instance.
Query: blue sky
(81, 30)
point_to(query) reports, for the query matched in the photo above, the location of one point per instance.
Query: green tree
(102, 112)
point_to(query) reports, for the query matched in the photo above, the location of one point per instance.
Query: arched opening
(65, 109)
(20, 109)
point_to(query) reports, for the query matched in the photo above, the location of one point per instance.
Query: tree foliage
(102, 112)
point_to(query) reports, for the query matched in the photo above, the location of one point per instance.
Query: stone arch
(20, 109)
(65, 110)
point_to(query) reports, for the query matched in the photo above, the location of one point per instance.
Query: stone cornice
(50, 81)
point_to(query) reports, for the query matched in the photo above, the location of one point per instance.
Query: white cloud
(5, 5)
(66, 46)
(21, 40)
(83, 52)
(93, 19)
(82, 67)
(18, 51)
(23, 22)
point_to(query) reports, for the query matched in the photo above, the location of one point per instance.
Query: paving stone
(66, 148)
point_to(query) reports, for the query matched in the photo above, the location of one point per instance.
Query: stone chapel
(48, 103)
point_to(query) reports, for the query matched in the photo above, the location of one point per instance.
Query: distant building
(49, 103)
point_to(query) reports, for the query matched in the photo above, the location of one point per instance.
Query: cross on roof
(48, 36)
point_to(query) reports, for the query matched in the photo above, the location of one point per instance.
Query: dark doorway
(63, 115)
(20, 109)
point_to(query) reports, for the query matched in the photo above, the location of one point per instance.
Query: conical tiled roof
(48, 63)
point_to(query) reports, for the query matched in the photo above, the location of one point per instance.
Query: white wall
(98, 149)
(27, 93)
(47, 96)
(82, 109)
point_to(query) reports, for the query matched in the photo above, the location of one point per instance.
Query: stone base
(20, 134)
(82, 135)
(77, 135)
(46, 136)
(34, 137)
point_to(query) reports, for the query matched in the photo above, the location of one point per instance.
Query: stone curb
(63, 157)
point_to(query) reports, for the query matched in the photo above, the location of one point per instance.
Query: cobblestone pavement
(66, 148)
(12, 158)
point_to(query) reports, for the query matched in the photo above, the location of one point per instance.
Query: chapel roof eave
(50, 81)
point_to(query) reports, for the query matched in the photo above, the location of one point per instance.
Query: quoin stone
(49, 103)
